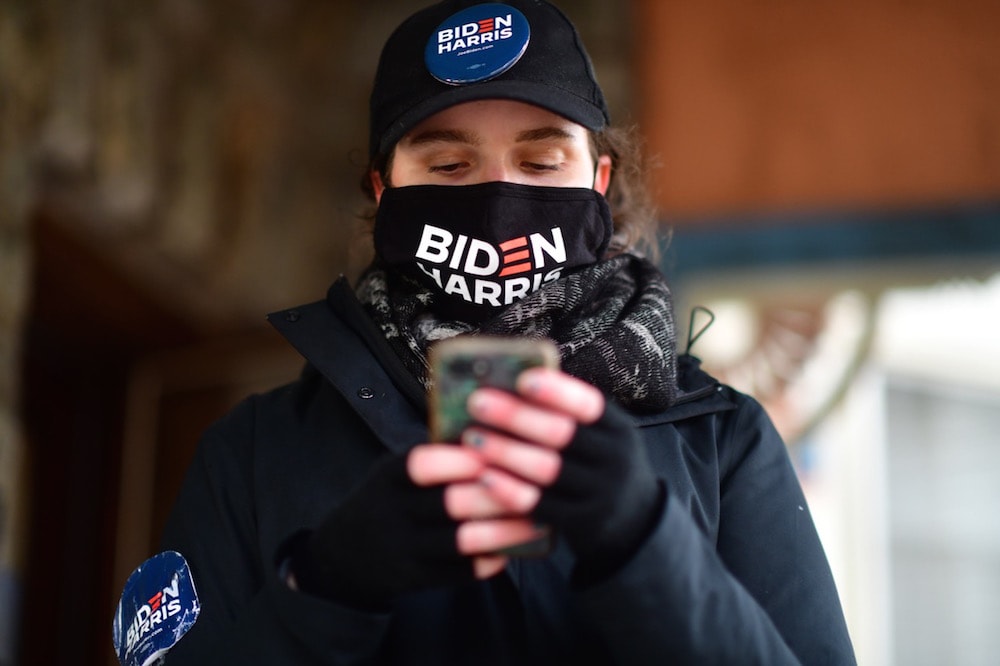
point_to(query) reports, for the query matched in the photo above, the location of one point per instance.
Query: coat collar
(698, 393)
(332, 336)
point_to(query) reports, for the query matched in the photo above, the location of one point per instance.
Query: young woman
(321, 526)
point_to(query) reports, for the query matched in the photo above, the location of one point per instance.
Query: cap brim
(558, 101)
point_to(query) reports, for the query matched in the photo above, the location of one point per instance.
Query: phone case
(462, 364)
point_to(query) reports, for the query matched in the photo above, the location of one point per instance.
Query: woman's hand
(486, 525)
(526, 434)
(493, 484)
(558, 453)
(554, 453)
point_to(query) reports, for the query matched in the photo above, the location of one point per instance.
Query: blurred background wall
(828, 177)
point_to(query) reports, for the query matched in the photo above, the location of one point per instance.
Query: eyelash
(445, 168)
(543, 167)
(533, 166)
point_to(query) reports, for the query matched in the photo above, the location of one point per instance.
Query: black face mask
(481, 247)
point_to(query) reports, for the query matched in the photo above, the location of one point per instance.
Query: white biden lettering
(460, 264)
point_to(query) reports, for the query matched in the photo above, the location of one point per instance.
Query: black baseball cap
(551, 70)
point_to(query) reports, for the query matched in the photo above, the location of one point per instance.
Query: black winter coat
(734, 573)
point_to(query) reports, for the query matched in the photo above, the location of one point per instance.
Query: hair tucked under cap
(554, 73)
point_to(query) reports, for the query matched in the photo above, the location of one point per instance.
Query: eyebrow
(462, 136)
(543, 134)
(443, 136)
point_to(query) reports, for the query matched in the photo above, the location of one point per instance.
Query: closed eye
(446, 168)
(536, 166)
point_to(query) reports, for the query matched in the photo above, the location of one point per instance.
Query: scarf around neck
(612, 323)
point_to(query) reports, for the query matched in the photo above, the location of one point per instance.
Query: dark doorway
(86, 327)
(117, 389)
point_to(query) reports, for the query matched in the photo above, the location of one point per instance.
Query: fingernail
(529, 384)
(473, 438)
(477, 404)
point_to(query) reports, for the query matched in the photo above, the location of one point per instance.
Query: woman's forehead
(471, 121)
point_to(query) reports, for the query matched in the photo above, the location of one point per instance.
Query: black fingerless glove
(387, 537)
(606, 499)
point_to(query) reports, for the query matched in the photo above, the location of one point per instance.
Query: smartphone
(462, 364)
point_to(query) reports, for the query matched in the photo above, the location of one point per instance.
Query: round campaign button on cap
(477, 44)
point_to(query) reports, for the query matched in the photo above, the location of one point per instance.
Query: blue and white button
(477, 44)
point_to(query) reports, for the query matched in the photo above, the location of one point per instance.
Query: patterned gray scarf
(612, 323)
